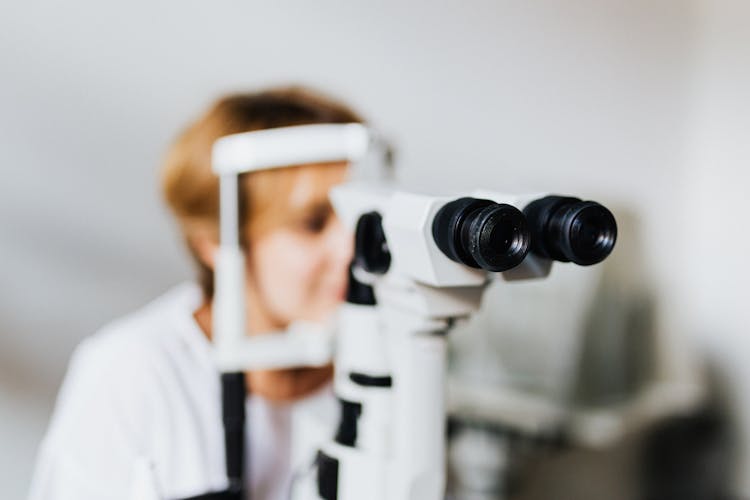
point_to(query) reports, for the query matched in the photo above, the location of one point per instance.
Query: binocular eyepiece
(496, 236)
(482, 234)
(567, 229)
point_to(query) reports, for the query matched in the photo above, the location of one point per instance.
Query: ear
(205, 249)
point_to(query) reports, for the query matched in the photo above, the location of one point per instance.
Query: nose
(341, 244)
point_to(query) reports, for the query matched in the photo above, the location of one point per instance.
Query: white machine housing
(399, 453)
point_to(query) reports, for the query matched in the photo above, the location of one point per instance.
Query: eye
(315, 223)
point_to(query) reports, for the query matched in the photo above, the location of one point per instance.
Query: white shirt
(143, 394)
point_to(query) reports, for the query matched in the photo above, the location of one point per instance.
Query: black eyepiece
(370, 246)
(570, 230)
(482, 234)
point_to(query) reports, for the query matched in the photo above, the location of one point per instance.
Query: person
(144, 389)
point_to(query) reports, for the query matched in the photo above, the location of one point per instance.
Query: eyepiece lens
(499, 237)
(502, 237)
(482, 234)
(592, 234)
(570, 230)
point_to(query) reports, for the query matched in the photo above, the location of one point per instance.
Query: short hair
(190, 187)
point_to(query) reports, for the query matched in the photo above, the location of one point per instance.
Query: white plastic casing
(281, 147)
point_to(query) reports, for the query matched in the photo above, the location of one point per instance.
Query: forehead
(276, 197)
(310, 184)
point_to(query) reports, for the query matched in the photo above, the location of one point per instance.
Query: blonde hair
(192, 190)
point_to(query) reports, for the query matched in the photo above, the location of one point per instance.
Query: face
(299, 270)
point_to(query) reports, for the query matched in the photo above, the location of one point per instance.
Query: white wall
(713, 290)
(589, 97)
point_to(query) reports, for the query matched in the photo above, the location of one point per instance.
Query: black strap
(233, 394)
(219, 495)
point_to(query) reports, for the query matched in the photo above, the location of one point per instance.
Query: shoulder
(146, 338)
(125, 387)
(119, 372)
(162, 321)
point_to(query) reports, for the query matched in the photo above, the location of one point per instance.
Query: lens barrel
(482, 234)
(567, 229)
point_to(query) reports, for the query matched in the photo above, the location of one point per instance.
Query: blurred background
(626, 380)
